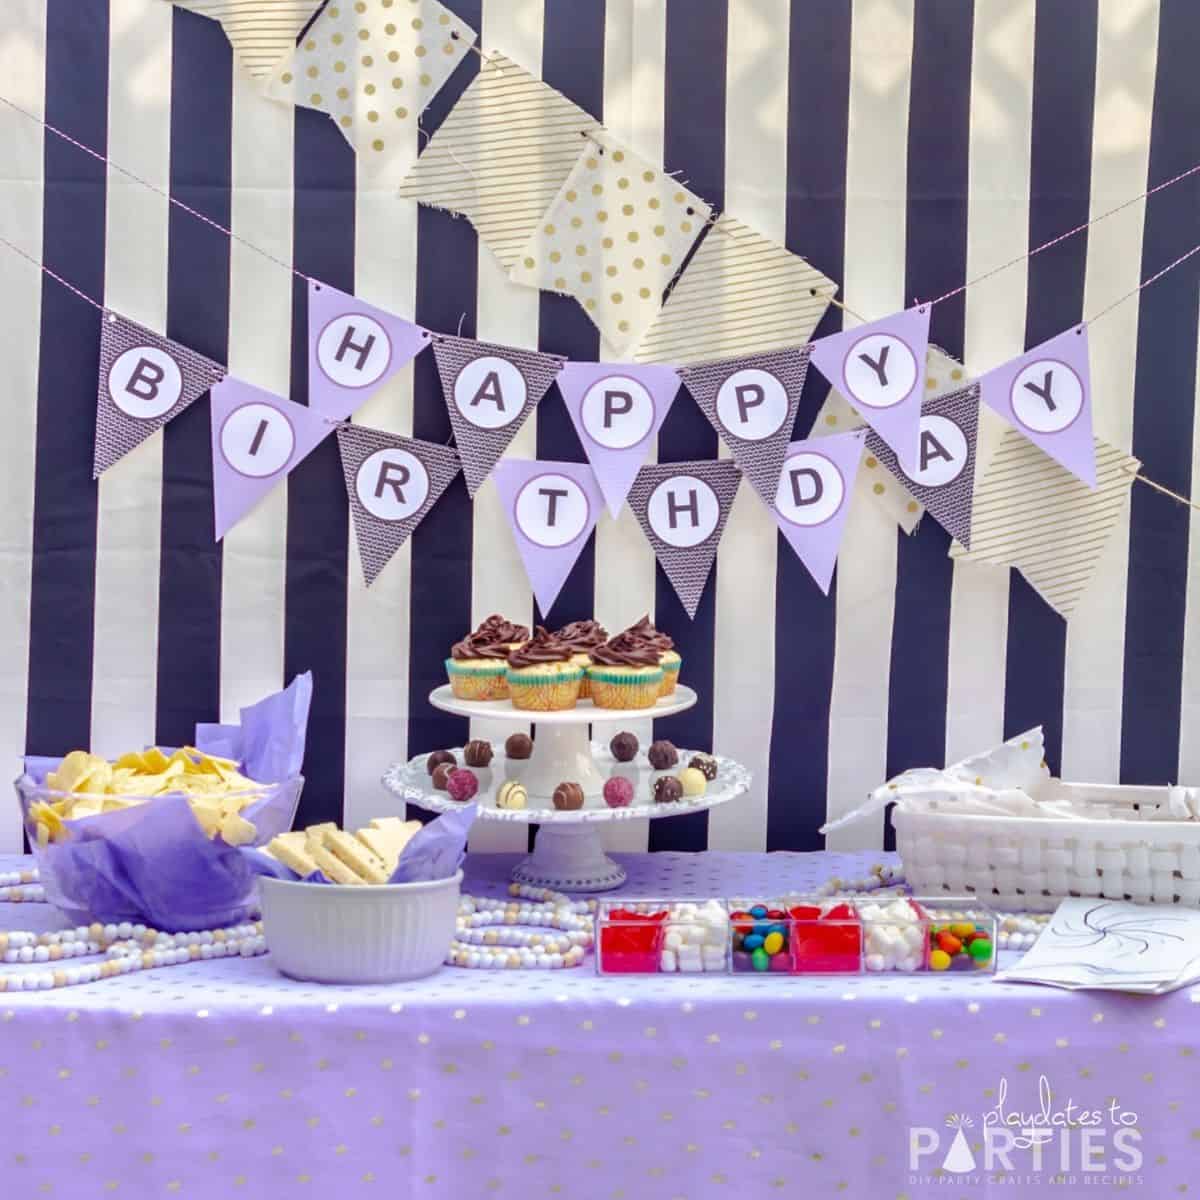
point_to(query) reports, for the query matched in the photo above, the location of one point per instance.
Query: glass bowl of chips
(152, 837)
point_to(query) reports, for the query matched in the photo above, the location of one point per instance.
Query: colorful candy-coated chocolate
(773, 943)
(980, 950)
(781, 962)
(761, 959)
(752, 941)
(948, 943)
(962, 929)
(776, 914)
(759, 910)
(939, 960)
(742, 961)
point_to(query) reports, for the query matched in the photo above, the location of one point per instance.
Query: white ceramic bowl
(380, 933)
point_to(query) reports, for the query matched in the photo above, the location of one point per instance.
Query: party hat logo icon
(959, 1160)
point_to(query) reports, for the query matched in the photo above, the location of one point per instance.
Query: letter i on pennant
(1046, 394)
(354, 348)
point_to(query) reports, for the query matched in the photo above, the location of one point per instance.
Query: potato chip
(154, 760)
(130, 762)
(74, 767)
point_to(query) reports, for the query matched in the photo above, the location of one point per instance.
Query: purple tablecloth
(220, 1079)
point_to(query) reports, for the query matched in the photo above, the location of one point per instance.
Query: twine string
(1186, 501)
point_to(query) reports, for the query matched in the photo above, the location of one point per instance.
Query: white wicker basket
(1138, 853)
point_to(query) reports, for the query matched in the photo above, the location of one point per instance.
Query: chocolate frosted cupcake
(541, 675)
(668, 657)
(625, 673)
(583, 637)
(478, 665)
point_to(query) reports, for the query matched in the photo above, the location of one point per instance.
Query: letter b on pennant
(145, 383)
(392, 484)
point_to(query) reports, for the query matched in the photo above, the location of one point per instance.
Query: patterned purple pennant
(880, 369)
(1046, 393)
(391, 482)
(145, 380)
(752, 404)
(813, 498)
(257, 438)
(617, 409)
(682, 508)
(353, 349)
(944, 478)
(552, 507)
(489, 390)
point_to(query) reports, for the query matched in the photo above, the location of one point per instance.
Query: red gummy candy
(631, 944)
(804, 912)
(776, 914)
(831, 943)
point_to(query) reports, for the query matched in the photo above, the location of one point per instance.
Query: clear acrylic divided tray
(795, 935)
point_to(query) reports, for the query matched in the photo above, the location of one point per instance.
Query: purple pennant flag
(489, 390)
(682, 508)
(257, 438)
(552, 507)
(145, 380)
(752, 404)
(391, 482)
(944, 479)
(353, 348)
(1047, 394)
(813, 498)
(880, 369)
(617, 409)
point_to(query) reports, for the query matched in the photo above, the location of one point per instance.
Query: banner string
(41, 266)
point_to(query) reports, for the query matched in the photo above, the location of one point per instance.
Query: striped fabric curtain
(900, 145)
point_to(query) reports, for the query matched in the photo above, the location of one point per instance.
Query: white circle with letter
(942, 453)
(490, 392)
(391, 484)
(880, 370)
(617, 412)
(811, 489)
(551, 510)
(145, 383)
(1046, 396)
(257, 440)
(683, 511)
(752, 404)
(354, 350)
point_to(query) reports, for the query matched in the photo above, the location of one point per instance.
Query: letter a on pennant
(551, 507)
(353, 349)
(257, 438)
(391, 483)
(617, 409)
(682, 508)
(880, 367)
(1046, 394)
(489, 390)
(145, 381)
(813, 499)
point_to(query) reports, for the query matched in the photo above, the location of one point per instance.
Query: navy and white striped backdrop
(902, 145)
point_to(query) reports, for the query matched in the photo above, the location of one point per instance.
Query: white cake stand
(567, 855)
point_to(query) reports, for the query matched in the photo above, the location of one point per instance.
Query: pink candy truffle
(462, 785)
(618, 792)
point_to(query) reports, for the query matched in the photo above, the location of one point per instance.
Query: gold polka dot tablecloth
(613, 237)
(373, 66)
(221, 1079)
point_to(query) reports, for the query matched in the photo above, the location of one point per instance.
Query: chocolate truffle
(461, 784)
(691, 779)
(518, 745)
(477, 753)
(438, 756)
(666, 789)
(624, 747)
(568, 796)
(511, 795)
(706, 765)
(618, 792)
(441, 773)
(663, 755)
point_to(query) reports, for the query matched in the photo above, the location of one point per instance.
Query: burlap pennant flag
(752, 404)
(257, 438)
(617, 410)
(552, 508)
(373, 66)
(489, 390)
(682, 508)
(145, 380)
(1046, 394)
(878, 368)
(391, 483)
(813, 499)
(944, 478)
(353, 348)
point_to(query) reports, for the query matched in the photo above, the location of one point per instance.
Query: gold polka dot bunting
(355, 55)
(610, 205)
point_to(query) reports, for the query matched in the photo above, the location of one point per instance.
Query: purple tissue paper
(437, 850)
